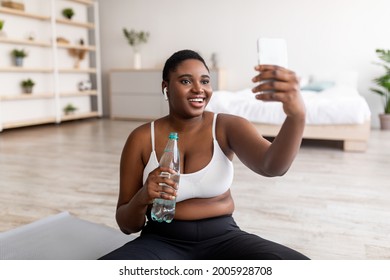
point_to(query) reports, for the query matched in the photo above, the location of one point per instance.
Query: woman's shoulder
(141, 130)
(139, 134)
(231, 120)
(231, 125)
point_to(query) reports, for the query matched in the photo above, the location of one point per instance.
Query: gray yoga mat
(60, 237)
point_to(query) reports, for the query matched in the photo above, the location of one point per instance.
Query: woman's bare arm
(134, 196)
(276, 84)
(132, 201)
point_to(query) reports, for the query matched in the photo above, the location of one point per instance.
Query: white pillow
(344, 78)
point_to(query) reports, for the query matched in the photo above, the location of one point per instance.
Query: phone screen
(272, 51)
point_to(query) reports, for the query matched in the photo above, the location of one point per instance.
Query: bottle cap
(173, 135)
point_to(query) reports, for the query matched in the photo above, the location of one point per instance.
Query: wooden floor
(330, 205)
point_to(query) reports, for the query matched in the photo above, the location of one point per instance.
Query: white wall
(323, 37)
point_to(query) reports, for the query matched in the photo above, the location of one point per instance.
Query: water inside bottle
(164, 209)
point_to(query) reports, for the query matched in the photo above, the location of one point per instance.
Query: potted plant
(27, 85)
(68, 13)
(2, 33)
(18, 55)
(69, 109)
(383, 82)
(135, 40)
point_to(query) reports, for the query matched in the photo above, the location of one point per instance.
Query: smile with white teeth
(196, 99)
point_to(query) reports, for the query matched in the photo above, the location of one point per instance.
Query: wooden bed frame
(354, 137)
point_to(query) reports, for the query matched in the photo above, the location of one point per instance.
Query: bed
(335, 112)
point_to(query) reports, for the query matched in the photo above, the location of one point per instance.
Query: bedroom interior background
(323, 38)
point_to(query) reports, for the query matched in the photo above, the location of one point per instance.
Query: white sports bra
(212, 180)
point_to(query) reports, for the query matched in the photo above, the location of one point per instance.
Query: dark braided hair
(177, 58)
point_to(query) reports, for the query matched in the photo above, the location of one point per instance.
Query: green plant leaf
(19, 53)
(136, 38)
(68, 13)
(387, 107)
(27, 83)
(383, 55)
(377, 91)
(383, 81)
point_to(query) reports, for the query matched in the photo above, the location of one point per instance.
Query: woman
(203, 227)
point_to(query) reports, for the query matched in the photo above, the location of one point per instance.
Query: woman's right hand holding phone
(276, 83)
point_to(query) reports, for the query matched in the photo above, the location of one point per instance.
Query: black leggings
(208, 239)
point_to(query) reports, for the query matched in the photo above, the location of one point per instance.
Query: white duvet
(336, 105)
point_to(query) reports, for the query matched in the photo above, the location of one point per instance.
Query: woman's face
(189, 88)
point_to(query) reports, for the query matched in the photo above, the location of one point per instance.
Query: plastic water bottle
(163, 209)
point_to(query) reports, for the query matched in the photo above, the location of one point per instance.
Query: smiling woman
(203, 226)
(193, 86)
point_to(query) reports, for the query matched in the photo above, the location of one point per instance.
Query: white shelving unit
(49, 63)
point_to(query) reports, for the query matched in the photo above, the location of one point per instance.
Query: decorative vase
(18, 61)
(137, 60)
(214, 60)
(76, 64)
(384, 121)
(27, 90)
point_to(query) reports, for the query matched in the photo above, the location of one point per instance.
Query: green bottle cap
(173, 135)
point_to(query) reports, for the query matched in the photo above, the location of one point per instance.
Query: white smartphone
(272, 51)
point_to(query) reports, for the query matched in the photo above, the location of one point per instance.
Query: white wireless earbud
(165, 92)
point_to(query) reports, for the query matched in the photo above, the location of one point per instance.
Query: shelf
(77, 116)
(26, 96)
(79, 93)
(85, 2)
(29, 122)
(15, 12)
(81, 70)
(25, 69)
(47, 120)
(77, 47)
(76, 23)
(46, 70)
(24, 42)
(56, 73)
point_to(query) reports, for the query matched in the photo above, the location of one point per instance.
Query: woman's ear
(164, 85)
(165, 93)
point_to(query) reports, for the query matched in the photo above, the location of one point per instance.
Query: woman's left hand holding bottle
(157, 186)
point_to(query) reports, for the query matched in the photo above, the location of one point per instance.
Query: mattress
(335, 105)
